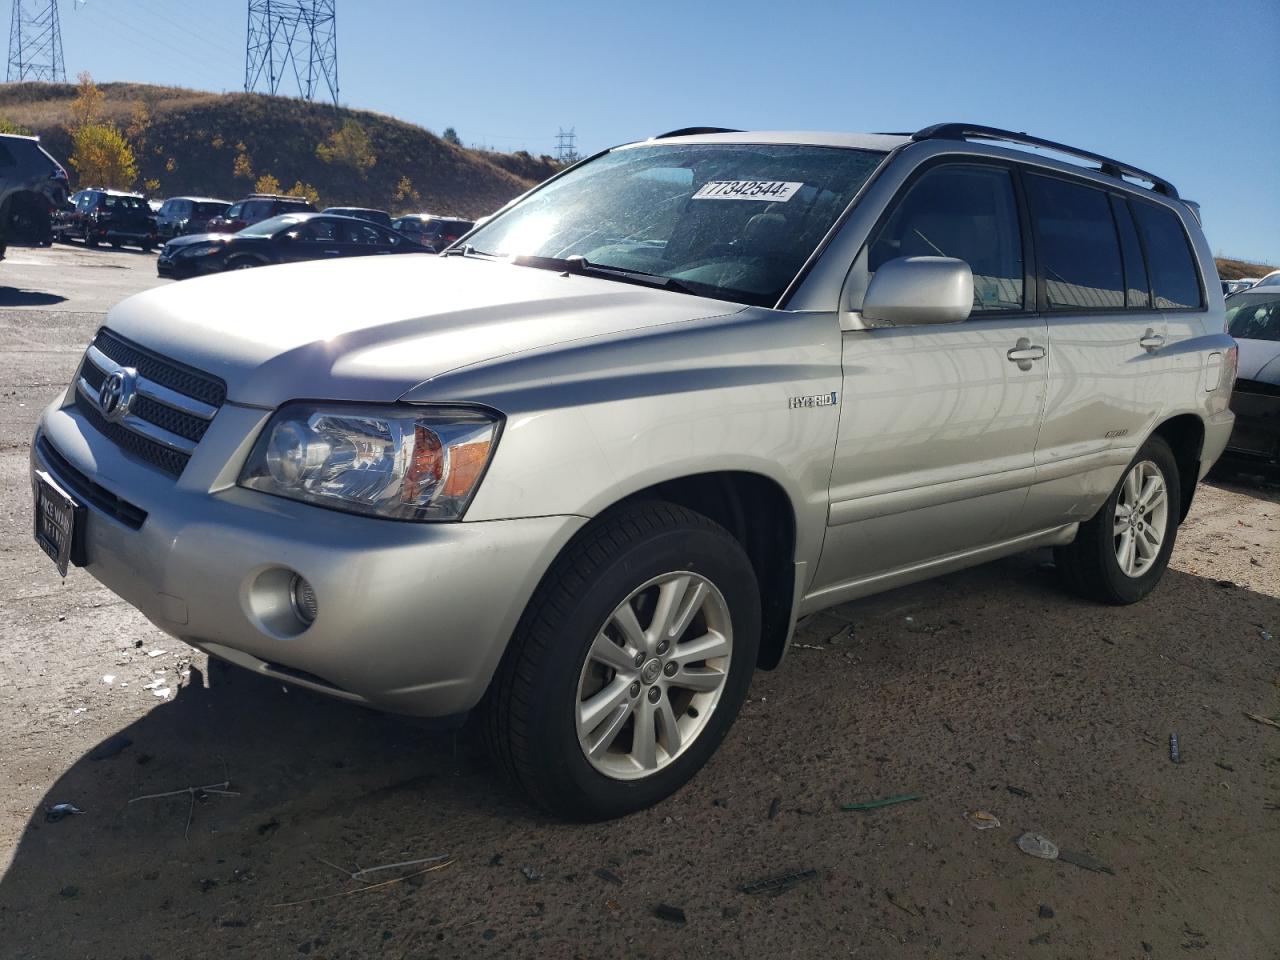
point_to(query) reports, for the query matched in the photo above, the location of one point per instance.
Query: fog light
(304, 599)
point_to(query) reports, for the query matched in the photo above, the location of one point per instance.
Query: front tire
(629, 665)
(1120, 554)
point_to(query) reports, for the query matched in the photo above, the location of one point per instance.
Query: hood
(1259, 360)
(371, 328)
(190, 239)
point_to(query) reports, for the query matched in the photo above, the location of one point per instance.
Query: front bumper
(1256, 437)
(413, 617)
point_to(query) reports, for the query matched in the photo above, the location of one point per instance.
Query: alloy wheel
(1141, 518)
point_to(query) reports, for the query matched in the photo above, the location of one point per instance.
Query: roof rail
(693, 132)
(1112, 168)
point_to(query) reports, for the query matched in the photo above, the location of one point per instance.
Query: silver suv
(585, 470)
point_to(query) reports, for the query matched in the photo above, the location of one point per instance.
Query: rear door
(314, 239)
(1106, 367)
(362, 239)
(938, 423)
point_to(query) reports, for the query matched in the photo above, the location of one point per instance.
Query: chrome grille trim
(139, 426)
(156, 391)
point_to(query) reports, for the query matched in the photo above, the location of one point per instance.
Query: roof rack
(1112, 168)
(693, 132)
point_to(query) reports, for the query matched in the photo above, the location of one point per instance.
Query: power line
(567, 146)
(35, 43)
(299, 37)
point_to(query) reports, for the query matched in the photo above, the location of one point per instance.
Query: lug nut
(655, 694)
(639, 661)
(663, 647)
(671, 668)
(635, 689)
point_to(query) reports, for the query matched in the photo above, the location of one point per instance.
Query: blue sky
(1188, 90)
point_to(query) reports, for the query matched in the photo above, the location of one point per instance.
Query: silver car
(585, 470)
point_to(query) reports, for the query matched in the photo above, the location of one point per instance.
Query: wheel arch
(1185, 435)
(757, 512)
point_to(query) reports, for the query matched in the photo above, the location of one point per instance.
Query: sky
(1187, 89)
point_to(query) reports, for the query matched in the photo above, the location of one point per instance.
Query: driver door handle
(1151, 341)
(1024, 352)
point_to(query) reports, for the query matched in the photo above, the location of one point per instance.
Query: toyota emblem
(115, 396)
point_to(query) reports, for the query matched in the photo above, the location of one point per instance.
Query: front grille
(89, 492)
(171, 409)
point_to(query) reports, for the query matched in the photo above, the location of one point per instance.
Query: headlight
(408, 463)
(199, 249)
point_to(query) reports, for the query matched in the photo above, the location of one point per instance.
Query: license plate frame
(57, 522)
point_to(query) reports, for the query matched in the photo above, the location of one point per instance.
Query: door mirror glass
(919, 290)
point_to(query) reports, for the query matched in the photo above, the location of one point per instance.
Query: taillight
(1231, 366)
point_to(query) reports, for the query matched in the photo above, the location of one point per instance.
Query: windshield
(270, 226)
(124, 203)
(1251, 317)
(732, 221)
(207, 209)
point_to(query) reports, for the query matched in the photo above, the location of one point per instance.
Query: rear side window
(1078, 245)
(966, 212)
(1173, 270)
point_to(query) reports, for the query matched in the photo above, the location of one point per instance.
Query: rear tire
(242, 263)
(1120, 554)
(569, 651)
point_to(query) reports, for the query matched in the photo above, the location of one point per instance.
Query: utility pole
(35, 43)
(566, 146)
(298, 39)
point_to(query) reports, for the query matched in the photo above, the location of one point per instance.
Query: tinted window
(1254, 317)
(969, 213)
(1078, 246)
(1173, 271)
(1137, 291)
(362, 233)
(235, 211)
(124, 203)
(6, 157)
(206, 209)
(316, 231)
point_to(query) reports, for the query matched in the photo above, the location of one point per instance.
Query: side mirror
(919, 290)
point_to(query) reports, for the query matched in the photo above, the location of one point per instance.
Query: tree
(102, 156)
(243, 167)
(306, 191)
(87, 103)
(151, 186)
(139, 124)
(450, 135)
(348, 146)
(267, 184)
(405, 192)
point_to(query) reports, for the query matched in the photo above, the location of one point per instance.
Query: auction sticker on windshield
(777, 190)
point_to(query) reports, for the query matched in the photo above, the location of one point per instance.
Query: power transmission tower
(35, 43)
(566, 146)
(296, 39)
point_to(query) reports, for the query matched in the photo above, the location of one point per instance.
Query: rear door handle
(1024, 352)
(1151, 341)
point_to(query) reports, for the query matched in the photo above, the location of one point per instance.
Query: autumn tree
(243, 167)
(87, 104)
(304, 190)
(348, 146)
(267, 184)
(405, 192)
(102, 156)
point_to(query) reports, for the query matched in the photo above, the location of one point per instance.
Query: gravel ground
(990, 690)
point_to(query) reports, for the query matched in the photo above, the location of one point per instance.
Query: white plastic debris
(108, 678)
(162, 692)
(1038, 846)
(156, 653)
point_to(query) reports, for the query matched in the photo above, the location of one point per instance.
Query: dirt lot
(990, 690)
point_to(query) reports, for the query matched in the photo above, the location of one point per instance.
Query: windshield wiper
(584, 267)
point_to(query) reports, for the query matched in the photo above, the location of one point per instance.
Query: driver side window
(961, 211)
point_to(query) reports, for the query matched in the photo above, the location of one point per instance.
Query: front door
(938, 423)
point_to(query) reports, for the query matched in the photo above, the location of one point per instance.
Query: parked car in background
(182, 215)
(1235, 286)
(98, 215)
(256, 208)
(1253, 318)
(284, 239)
(361, 213)
(433, 232)
(32, 186)
(1272, 279)
(587, 479)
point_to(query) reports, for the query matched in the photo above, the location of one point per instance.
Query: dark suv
(97, 215)
(433, 232)
(256, 208)
(32, 186)
(182, 215)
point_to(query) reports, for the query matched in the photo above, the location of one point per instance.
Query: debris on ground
(844, 635)
(778, 884)
(775, 805)
(530, 874)
(156, 653)
(108, 678)
(1266, 637)
(982, 820)
(1224, 766)
(110, 747)
(1045, 912)
(669, 913)
(1227, 584)
(1039, 939)
(69, 892)
(886, 802)
(372, 886)
(893, 898)
(197, 793)
(1257, 718)
(60, 810)
(608, 876)
(1037, 846)
(1084, 861)
(1019, 792)
(1174, 754)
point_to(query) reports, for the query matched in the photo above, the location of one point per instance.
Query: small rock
(1019, 792)
(1038, 939)
(489, 934)
(495, 860)
(271, 826)
(1146, 947)
(775, 806)
(530, 874)
(669, 913)
(608, 876)
(1046, 912)
(70, 892)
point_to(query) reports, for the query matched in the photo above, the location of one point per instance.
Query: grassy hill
(192, 140)
(1229, 269)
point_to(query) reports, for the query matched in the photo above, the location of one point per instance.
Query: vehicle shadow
(15, 297)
